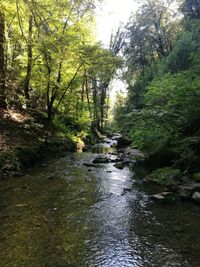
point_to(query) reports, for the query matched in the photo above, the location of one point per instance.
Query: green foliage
(166, 176)
(71, 124)
(60, 126)
(171, 111)
(162, 113)
(54, 63)
(181, 56)
(196, 177)
(191, 9)
(176, 95)
(150, 139)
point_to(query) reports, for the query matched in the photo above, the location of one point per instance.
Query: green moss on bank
(166, 176)
(196, 177)
(26, 156)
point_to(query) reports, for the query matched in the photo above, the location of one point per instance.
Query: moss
(140, 158)
(166, 176)
(8, 161)
(196, 177)
(119, 165)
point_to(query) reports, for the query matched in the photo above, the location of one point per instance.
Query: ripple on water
(82, 218)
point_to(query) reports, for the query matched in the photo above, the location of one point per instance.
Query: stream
(64, 214)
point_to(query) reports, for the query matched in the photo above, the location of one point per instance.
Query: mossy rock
(196, 177)
(140, 159)
(165, 198)
(123, 142)
(119, 165)
(166, 176)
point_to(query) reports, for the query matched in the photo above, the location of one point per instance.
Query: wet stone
(24, 186)
(101, 159)
(119, 165)
(127, 190)
(51, 177)
(196, 197)
(158, 197)
(43, 165)
(187, 191)
(172, 264)
(178, 229)
(18, 174)
(87, 164)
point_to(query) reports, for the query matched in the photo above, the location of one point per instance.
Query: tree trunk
(30, 60)
(102, 105)
(107, 109)
(88, 97)
(2, 61)
(48, 97)
(96, 117)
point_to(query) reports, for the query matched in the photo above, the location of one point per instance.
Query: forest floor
(22, 140)
(20, 129)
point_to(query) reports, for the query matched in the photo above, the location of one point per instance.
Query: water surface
(66, 214)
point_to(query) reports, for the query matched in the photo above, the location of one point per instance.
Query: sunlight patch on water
(97, 217)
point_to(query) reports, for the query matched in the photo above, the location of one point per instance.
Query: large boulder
(119, 165)
(123, 142)
(196, 177)
(187, 191)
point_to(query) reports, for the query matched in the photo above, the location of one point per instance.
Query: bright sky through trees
(110, 14)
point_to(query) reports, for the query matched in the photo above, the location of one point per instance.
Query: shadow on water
(69, 215)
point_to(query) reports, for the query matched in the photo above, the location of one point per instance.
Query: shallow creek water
(87, 217)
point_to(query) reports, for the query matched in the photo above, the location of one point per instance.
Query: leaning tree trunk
(30, 59)
(2, 61)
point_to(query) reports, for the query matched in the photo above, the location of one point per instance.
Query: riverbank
(23, 141)
(173, 184)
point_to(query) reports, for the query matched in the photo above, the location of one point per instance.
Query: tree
(150, 34)
(100, 66)
(2, 59)
(30, 59)
(162, 113)
(191, 9)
